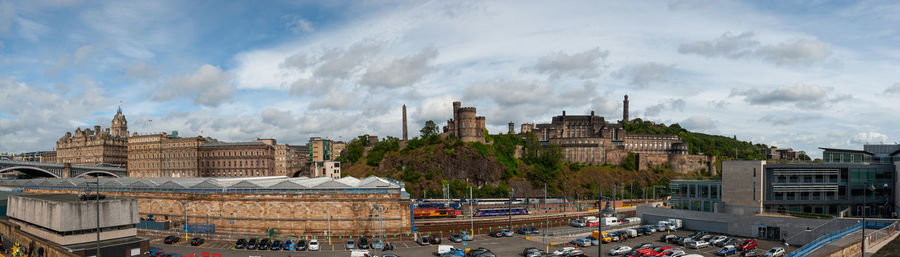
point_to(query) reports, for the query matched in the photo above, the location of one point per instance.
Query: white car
(717, 239)
(313, 245)
(775, 252)
(673, 253)
(699, 244)
(619, 250)
(563, 250)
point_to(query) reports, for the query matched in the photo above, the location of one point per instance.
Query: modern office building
(696, 195)
(849, 183)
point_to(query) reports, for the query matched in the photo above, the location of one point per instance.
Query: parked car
(666, 237)
(727, 250)
(642, 231)
(716, 239)
(480, 252)
(662, 249)
(390, 255)
(750, 253)
(729, 241)
(378, 244)
(363, 243)
(529, 251)
(350, 244)
(650, 229)
(699, 234)
(644, 246)
(423, 240)
(593, 240)
(435, 239)
(699, 244)
(313, 245)
(240, 244)
(622, 249)
(673, 253)
(685, 241)
(581, 242)
(251, 245)
(263, 244)
(621, 235)
(197, 241)
(748, 244)
(661, 228)
(775, 252)
(577, 223)
(507, 232)
(563, 251)
(288, 245)
(466, 236)
(705, 237)
(301, 245)
(276, 245)
(456, 238)
(495, 233)
(673, 240)
(171, 240)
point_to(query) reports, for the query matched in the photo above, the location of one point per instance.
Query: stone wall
(684, 163)
(342, 214)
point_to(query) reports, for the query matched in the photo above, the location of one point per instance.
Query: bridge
(56, 170)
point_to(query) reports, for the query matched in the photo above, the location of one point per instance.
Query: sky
(800, 74)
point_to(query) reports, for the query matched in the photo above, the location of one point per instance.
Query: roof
(272, 184)
(845, 150)
(62, 197)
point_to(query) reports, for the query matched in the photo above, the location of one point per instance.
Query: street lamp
(862, 248)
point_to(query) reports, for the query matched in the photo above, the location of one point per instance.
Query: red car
(748, 244)
(646, 252)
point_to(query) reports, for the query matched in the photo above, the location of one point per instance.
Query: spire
(120, 110)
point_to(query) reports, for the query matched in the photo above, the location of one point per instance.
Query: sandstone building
(163, 155)
(241, 159)
(590, 139)
(290, 159)
(95, 147)
(465, 125)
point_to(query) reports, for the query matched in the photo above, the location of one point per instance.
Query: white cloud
(642, 75)
(698, 123)
(869, 138)
(893, 89)
(341, 62)
(667, 105)
(796, 52)
(392, 72)
(141, 70)
(800, 94)
(208, 86)
(296, 24)
(581, 65)
(785, 120)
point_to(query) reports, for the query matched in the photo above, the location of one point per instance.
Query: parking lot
(507, 246)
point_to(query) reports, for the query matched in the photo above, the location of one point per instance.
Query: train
(500, 212)
(432, 212)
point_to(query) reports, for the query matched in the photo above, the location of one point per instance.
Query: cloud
(311, 87)
(399, 72)
(642, 75)
(511, 92)
(731, 46)
(606, 106)
(296, 24)
(582, 65)
(698, 123)
(78, 59)
(785, 120)
(337, 100)
(208, 86)
(7, 16)
(297, 61)
(668, 104)
(720, 104)
(893, 89)
(799, 94)
(437, 108)
(143, 71)
(869, 138)
(341, 62)
(796, 52)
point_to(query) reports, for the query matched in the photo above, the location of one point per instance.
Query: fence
(823, 240)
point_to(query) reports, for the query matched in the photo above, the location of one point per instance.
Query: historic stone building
(290, 159)
(163, 155)
(465, 125)
(241, 159)
(591, 139)
(95, 147)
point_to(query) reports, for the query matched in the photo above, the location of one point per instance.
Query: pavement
(507, 246)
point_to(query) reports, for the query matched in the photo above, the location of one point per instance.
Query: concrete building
(746, 199)
(94, 147)
(696, 195)
(328, 169)
(66, 225)
(465, 124)
(319, 149)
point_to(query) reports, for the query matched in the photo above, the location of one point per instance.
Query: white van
(313, 245)
(632, 233)
(441, 249)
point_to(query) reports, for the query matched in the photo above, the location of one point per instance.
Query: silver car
(619, 250)
(507, 232)
(775, 252)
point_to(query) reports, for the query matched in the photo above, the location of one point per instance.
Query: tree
(430, 129)
(803, 156)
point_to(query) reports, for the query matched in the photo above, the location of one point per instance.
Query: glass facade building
(696, 195)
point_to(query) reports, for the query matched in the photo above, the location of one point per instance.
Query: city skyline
(782, 74)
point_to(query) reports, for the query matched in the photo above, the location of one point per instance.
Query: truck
(359, 253)
(633, 220)
(676, 223)
(610, 221)
(591, 221)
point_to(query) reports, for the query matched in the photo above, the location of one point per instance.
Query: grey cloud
(394, 73)
(297, 61)
(721, 104)
(311, 86)
(785, 120)
(512, 92)
(668, 104)
(731, 46)
(335, 100)
(797, 52)
(141, 70)
(605, 106)
(208, 86)
(338, 63)
(800, 52)
(698, 123)
(582, 65)
(894, 89)
(643, 74)
(799, 94)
